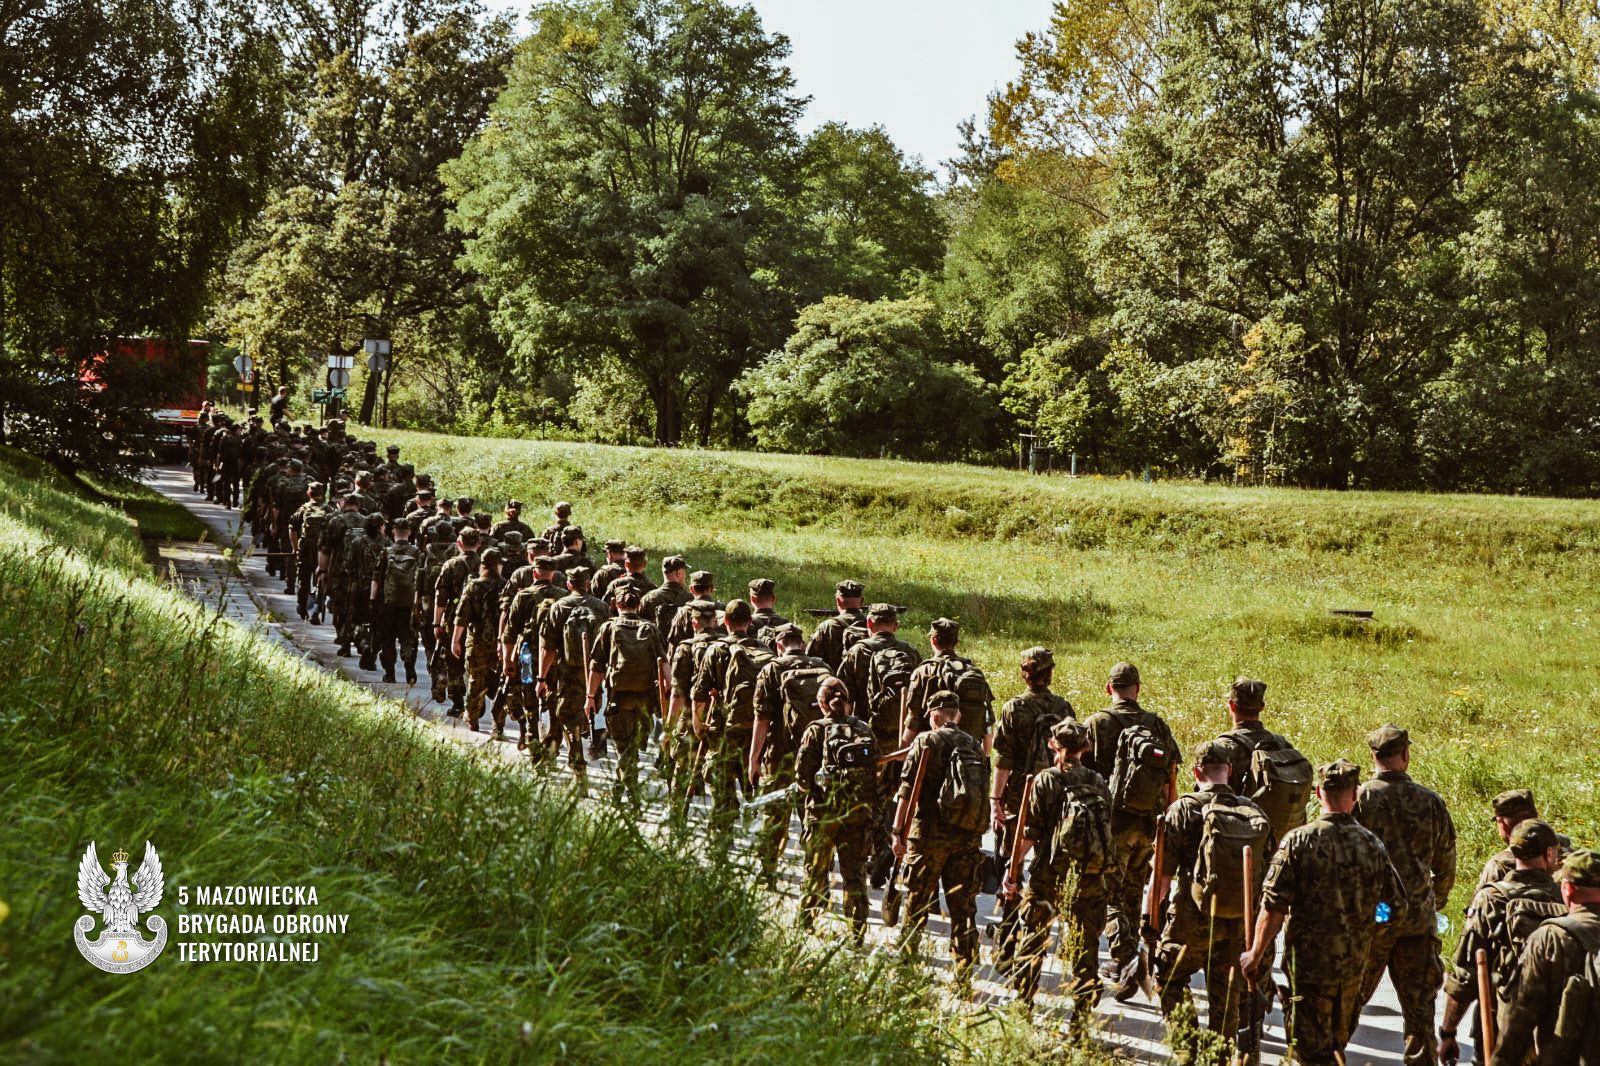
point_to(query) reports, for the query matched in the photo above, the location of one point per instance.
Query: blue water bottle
(1383, 912)
(525, 657)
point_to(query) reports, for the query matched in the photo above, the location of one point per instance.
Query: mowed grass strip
(1484, 642)
(492, 918)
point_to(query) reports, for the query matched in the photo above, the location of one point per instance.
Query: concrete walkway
(226, 576)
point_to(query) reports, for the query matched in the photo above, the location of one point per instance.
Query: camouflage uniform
(780, 752)
(826, 833)
(682, 665)
(828, 642)
(628, 712)
(479, 612)
(1192, 941)
(306, 547)
(522, 610)
(569, 678)
(729, 729)
(1328, 877)
(1242, 741)
(1421, 840)
(506, 525)
(1486, 929)
(1021, 744)
(1559, 949)
(938, 853)
(395, 621)
(763, 621)
(660, 605)
(1051, 891)
(453, 577)
(1134, 833)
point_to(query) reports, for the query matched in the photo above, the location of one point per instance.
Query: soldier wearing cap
(634, 560)
(1022, 747)
(573, 553)
(1543, 992)
(1247, 698)
(936, 853)
(305, 536)
(677, 740)
(460, 568)
(838, 804)
(475, 641)
(523, 613)
(661, 603)
(945, 670)
(1194, 937)
(1060, 884)
(1134, 830)
(629, 703)
(562, 515)
(1502, 917)
(512, 521)
(833, 635)
(1421, 840)
(724, 708)
(1511, 808)
(1323, 890)
(764, 617)
(785, 705)
(611, 569)
(878, 694)
(702, 586)
(567, 628)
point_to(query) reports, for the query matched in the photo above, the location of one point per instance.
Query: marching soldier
(1558, 951)
(475, 642)
(829, 641)
(453, 578)
(567, 630)
(787, 701)
(837, 775)
(628, 657)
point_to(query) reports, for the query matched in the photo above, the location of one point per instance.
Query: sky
(914, 67)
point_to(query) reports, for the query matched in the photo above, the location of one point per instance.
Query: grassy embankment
(490, 920)
(1484, 642)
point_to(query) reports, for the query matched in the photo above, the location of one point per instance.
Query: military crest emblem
(121, 947)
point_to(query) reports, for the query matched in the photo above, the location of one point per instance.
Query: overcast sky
(915, 67)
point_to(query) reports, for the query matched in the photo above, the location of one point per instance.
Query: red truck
(184, 375)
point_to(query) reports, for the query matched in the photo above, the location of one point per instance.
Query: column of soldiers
(897, 765)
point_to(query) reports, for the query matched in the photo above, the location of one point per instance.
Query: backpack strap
(1580, 931)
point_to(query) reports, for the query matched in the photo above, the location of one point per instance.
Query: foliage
(865, 379)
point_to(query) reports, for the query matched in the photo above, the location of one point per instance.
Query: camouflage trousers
(777, 774)
(1416, 970)
(308, 569)
(628, 716)
(480, 667)
(393, 626)
(823, 840)
(727, 774)
(1133, 840)
(568, 720)
(1192, 943)
(956, 865)
(1045, 897)
(1320, 1021)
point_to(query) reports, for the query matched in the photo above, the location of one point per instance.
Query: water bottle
(1441, 923)
(525, 657)
(1383, 912)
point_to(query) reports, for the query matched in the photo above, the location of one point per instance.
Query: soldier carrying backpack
(1264, 765)
(837, 776)
(947, 820)
(786, 704)
(1205, 834)
(1500, 921)
(629, 654)
(1067, 824)
(947, 671)
(1135, 750)
(724, 695)
(394, 597)
(1555, 996)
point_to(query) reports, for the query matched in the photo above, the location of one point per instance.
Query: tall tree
(627, 198)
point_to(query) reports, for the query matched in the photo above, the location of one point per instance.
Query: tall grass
(493, 918)
(1483, 644)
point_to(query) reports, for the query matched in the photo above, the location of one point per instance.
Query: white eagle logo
(120, 947)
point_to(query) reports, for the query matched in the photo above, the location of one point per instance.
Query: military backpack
(1228, 825)
(738, 696)
(1577, 1031)
(1141, 770)
(971, 687)
(964, 792)
(1514, 914)
(800, 685)
(311, 527)
(402, 562)
(631, 666)
(888, 676)
(1282, 778)
(847, 781)
(1081, 843)
(578, 626)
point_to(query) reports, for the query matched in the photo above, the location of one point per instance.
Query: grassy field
(492, 918)
(1483, 644)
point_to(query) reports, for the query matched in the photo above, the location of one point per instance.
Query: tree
(867, 379)
(874, 228)
(627, 199)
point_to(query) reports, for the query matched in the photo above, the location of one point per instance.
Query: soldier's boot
(343, 649)
(411, 670)
(597, 744)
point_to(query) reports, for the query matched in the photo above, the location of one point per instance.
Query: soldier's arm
(1444, 858)
(377, 576)
(599, 655)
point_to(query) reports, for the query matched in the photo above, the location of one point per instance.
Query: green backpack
(848, 778)
(745, 664)
(964, 793)
(402, 562)
(1081, 844)
(631, 666)
(1228, 825)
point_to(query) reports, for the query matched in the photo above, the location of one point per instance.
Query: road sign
(326, 396)
(245, 366)
(376, 345)
(319, 395)
(338, 379)
(245, 386)
(341, 362)
(377, 362)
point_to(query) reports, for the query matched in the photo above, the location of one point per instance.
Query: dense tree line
(1348, 244)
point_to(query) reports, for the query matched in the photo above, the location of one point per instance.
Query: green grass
(1483, 645)
(492, 918)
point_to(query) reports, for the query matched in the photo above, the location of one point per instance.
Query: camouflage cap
(628, 597)
(883, 612)
(1038, 656)
(1071, 734)
(443, 533)
(1124, 675)
(316, 488)
(1213, 753)
(579, 574)
(850, 589)
(1582, 868)
(464, 501)
(571, 535)
(393, 449)
(704, 610)
(616, 545)
(945, 699)
(788, 633)
(490, 557)
(469, 536)
(544, 562)
(945, 629)
(1515, 803)
(559, 579)
(1339, 774)
(1248, 692)
(702, 579)
(674, 562)
(512, 539)
(736, 612)
(1532, 838)
(563, 508)
(762, 586)
(1387, 740)
(424, 493)
(424, 481)
(513, 505)
(634, 552)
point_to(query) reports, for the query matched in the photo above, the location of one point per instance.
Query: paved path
(223, 574)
